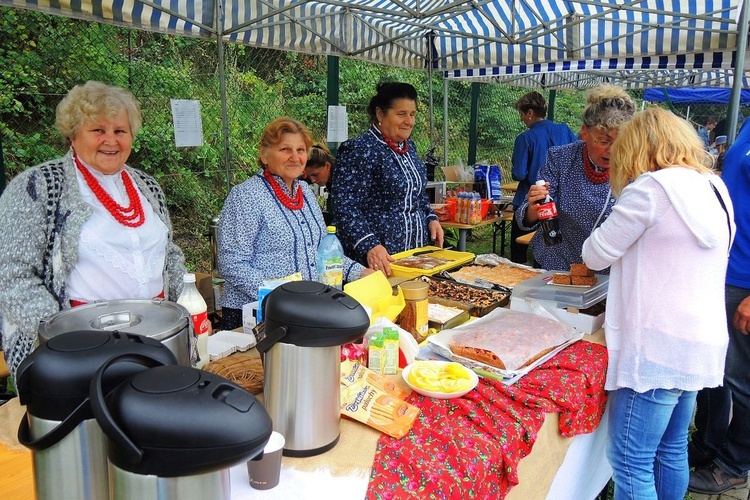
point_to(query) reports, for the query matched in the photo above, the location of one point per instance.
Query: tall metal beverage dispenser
(68, 447)
(305, 324)
(174, 431)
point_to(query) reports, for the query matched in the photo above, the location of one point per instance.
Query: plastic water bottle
(548, 223)
(331, 260)
(192, 300)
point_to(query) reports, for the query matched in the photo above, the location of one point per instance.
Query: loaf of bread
(510, 341)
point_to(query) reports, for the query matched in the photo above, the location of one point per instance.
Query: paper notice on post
(188, 128)
(337, 124)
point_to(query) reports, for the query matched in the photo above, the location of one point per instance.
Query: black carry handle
(101, 412)
(81, 413)
(267, 342)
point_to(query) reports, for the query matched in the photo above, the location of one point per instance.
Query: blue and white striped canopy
(444, 35)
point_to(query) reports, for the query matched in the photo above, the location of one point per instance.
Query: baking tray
(474, 310)
(456, 259)
(455, 320)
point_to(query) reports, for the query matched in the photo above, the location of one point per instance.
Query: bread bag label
(375, 401)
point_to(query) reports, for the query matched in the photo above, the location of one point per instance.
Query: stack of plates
(223, 343)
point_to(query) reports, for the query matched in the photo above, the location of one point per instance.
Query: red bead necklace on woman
(595, 174)
(131, 216)
(295, 203)
(391, 144)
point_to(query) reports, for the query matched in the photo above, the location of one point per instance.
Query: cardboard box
(205, 284)
(570, 316)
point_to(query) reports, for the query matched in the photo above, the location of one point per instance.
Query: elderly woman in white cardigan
(84, 227)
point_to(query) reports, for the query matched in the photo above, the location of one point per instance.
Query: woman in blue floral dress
(271, 224)
(381, 206)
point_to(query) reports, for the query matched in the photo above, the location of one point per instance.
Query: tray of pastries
(480, 300)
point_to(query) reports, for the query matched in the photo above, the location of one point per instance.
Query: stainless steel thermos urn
(174, 431)
(305, 324)
(53, 382)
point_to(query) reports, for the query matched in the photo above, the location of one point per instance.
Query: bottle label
(201, 324)
(333, 272)
(547, 210)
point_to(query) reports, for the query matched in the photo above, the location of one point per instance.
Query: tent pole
(223, 91)
(475, 88)
(445, 121)
(551, 105)
(332, 92)
(739, 73)
(2, 167)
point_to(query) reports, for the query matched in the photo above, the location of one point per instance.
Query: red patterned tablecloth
(470, 447)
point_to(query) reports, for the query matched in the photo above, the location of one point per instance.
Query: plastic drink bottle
(331, 260)
(549, 225)
(192, 300)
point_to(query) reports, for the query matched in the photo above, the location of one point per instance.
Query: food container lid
(158, 319)
(540, 287)
(221, 423)
(415, 290)
(54, 379)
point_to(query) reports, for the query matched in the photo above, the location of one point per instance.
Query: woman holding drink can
(576, 178)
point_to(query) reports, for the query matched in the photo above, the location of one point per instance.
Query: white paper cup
(248, 317)
(264, 473)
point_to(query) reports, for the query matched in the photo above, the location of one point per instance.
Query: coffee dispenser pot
(305, 324)
(68, 447)
(174, 431)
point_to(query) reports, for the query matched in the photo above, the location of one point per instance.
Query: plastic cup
(264, 473)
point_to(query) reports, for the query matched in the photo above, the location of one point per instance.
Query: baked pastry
(583, 280)
(501, 274)
(561, 279)
(580, 270)
(509, 341)
(420, 262)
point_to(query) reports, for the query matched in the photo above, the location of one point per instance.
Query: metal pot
(53, 382)
(306, 323)
(162, 320)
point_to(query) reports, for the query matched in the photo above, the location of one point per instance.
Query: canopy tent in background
(694, 96)
(714, 69)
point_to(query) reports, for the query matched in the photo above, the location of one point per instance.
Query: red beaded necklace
(596, 176)
(391, 144)
(295, 203)
(131, 216)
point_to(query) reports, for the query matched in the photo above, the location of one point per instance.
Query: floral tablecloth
(470, 447)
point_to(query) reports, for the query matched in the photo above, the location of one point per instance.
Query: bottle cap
(188, 278)
(540, 182)
(331, 229)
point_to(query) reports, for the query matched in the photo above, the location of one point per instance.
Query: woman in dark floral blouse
(379, 183)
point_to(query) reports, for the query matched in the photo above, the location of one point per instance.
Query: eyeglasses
(604, 143)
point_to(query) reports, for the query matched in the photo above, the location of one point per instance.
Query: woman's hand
(436, 233)
(379, 260)
(366, 272)
(535, 195)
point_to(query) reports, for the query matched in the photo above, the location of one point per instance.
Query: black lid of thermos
(311, 314)
(55, 378)
(173, 421)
